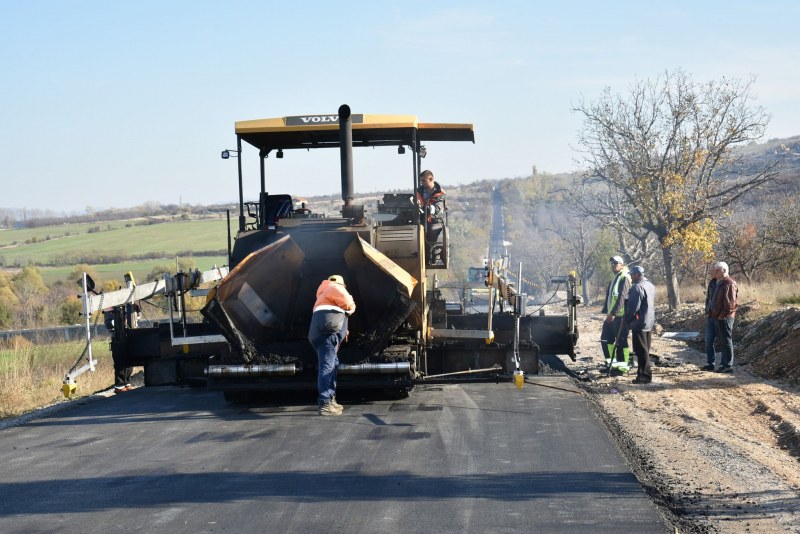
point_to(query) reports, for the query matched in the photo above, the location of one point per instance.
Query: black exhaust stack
(355, 212)
(346, 149)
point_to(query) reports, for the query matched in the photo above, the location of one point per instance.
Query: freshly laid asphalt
(450, 458)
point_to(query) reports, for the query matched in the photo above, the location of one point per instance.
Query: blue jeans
(327, 331)
(725, 335)
(711, 335)
(326, 368)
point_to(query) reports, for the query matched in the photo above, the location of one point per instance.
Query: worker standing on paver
(430, 196)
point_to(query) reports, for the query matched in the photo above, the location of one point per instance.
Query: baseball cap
(637, 269)
(617, 259)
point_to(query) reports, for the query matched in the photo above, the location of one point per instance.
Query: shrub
(69, 312)
(6, 315)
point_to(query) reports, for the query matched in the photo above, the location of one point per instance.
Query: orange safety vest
(437, 195)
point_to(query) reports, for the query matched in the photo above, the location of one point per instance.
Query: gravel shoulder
(720, 453)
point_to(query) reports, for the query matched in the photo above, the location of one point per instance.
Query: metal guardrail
(55, 334)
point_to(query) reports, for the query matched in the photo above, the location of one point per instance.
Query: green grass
(20, 236)
(165, 240)
(116, 271)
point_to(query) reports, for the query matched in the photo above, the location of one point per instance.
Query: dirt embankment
(768, 344)
(720, 452)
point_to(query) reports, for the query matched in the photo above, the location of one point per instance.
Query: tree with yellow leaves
(666, 153)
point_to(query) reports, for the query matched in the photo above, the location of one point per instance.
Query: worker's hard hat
(336, 279)
(617, 260)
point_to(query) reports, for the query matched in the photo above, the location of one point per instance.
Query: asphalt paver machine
(253, 336)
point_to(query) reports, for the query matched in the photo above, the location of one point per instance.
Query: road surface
(479, 457)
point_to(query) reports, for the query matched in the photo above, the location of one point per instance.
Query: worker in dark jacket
(430, 198)
(723, 310)
(614, 337)
(641, 318)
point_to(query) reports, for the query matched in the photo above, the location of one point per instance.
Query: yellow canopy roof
(311, 131)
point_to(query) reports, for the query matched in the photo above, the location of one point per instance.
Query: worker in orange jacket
(327, 331)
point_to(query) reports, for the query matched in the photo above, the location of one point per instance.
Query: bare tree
(538, 267)
(745, 246)
(783, 232)
(784, 223)
(666, 150)
(583, 246)
(609, 208)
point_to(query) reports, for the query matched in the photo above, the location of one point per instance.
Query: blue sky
(112, 104)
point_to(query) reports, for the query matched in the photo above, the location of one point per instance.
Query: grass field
(32, 375)
(120, 238)
(20, 236)
(116, 271)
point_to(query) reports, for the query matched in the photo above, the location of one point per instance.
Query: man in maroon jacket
(723, 311)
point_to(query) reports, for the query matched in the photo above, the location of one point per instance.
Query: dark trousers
(725, 336)
(641, 347)
(711, 335)
(122, 371)
(431, 239)
(612, 334)
(122, 375)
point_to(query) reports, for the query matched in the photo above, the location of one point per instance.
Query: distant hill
(785, 151)
(128, 239)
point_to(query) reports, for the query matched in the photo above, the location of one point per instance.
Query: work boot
(329, 409)
(619, 368)
(336, 404)
(709, 367)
